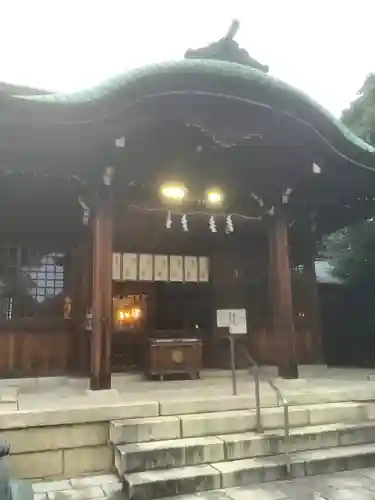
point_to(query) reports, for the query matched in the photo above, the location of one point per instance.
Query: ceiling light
(214, 197)
(173, 192)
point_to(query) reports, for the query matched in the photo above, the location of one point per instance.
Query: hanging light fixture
(173, 193)
(214, 197)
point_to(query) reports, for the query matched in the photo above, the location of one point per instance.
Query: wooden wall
(34, 353)
(263, 347)
(239, 278)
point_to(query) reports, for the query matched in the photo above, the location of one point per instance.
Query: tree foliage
(352, 253)
(352, 250)
(360, 116)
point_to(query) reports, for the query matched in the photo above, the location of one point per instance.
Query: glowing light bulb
(214, 197)
(173, 192)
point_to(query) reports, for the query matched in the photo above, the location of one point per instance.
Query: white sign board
(146, 267)
(161, 271)
(116, 266)
(191, 269)
(176, 268)
(234, 319)
(203, 269)
(129, 266)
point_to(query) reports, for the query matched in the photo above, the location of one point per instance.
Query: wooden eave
(122, 98)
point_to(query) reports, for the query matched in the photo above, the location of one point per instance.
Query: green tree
(352, 250)
(352, 253)
(360, 116)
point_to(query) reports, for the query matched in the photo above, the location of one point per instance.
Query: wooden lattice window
(31, 282)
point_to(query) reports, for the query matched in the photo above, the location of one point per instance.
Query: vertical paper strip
(176, 268)
(204, 269)
(191, 269)
(146, 267)
(116, 266)
(161, 268)
(129, 266)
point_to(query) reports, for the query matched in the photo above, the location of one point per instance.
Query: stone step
(231, 422)
(295, 397)
(154, 484)
(140, 457)
(140, 430)
(271, 442)
(305, 463)
(170, 482)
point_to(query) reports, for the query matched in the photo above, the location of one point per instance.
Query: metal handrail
(280, 400)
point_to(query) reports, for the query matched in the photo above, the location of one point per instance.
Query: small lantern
(88, 320)
(67, 308)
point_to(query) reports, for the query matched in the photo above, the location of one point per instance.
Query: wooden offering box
(174, 356)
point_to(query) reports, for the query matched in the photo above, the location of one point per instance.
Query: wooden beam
(280, 282)
(100, 369)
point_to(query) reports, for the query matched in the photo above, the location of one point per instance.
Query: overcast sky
(323, 47)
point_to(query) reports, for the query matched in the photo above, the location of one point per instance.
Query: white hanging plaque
(161, 268)
(203, 264)
(146, 267)
(116, 266)
(234, 319)
(191, 269)
(176, 268)
(129, 266)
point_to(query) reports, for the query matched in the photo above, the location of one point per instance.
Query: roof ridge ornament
(233, 29)
(227, 49)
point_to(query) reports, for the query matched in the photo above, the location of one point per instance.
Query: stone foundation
(58, 444)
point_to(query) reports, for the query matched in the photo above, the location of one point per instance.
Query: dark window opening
(31, 282)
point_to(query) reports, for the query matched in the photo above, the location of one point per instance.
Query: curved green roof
(145, 81)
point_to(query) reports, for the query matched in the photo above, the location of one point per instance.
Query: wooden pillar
(280, 280)
(107, 290)
(86, 263)
(100, 363)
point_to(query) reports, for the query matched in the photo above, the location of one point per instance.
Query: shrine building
(131, 213)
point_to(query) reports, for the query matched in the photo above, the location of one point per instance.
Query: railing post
(288, 463)
(233, 364)
(257, 399)
(280, 400)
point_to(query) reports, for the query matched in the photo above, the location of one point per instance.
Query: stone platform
(59, 429)
(24, 394)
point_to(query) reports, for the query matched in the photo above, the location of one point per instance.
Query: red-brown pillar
(281, 295)
(107, 292)
(100, 363)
